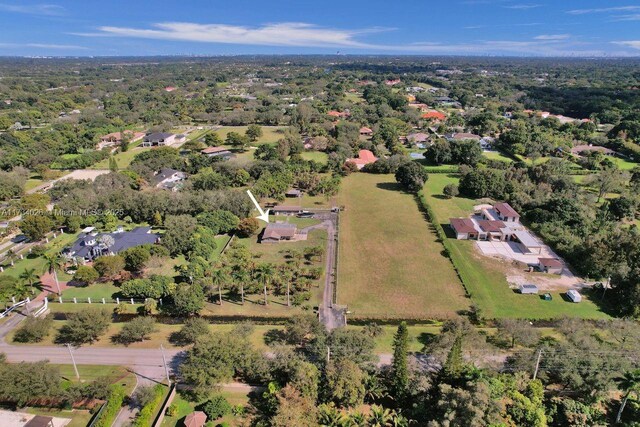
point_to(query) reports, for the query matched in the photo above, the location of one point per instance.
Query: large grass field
(485, 277)
(270, 134)
(390, 262)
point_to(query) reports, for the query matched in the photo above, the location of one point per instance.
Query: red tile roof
(365, 157)
(365, 130)
(490, 226)
(434, 115)
(506, 210)
(463, 225)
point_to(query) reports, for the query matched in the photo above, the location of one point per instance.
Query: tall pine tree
(400, 380)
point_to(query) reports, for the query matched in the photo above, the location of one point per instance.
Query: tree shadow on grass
(390, 186)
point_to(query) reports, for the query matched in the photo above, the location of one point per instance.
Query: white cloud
(603, 10)
(309, 35)
(552, 37)
(522, 6)
(34, 9)
(634, 44)
(280, 34)
(630, 17)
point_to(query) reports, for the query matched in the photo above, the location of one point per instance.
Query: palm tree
(329, 416)
(218, 278)
(264, 273)
(53, 263)
(358, 419)
(380, 417)
(629, 382)
(29, 275)
(240, 277)
(11, 256)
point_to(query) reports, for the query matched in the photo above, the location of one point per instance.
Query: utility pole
(535, 373)
(75, 368)
(164, 361)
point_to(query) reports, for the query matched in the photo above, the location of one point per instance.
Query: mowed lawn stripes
(390, 262)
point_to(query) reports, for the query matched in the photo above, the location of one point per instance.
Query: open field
(485, 277)
(390, 262)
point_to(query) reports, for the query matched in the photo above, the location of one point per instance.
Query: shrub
(450, 190)
(86, 274)
(85, 326)
(172, 410)
(216, 407)
(33, 330)
(38, 250)
(136, 330)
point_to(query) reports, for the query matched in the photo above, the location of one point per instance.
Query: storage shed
(528, 289)
(574, 295)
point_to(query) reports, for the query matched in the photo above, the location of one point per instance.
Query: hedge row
(111, 409)
(426, 208)
(148, 412)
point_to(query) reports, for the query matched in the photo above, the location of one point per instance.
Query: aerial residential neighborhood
(286, 214)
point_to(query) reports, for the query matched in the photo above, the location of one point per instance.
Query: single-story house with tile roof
(115, 138)
(286, 210)
(217, 152)
(491, 229)
(276, 232)
(550, 265)
(461, 136)
(418, 137)
(159, 139)
(91, 245)
(364, 158)
(506, 213)
(433, 115)
(582, 148)
(464, 228)
(365, 131)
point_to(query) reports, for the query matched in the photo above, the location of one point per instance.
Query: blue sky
(412, 27)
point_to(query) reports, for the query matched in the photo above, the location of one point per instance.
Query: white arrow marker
(263, 215)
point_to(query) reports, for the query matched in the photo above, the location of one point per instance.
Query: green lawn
(485, 277)
(96, 292)
(316, 156)
(32, 183)
(497, 155)
(390, 262)
(623, 164)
